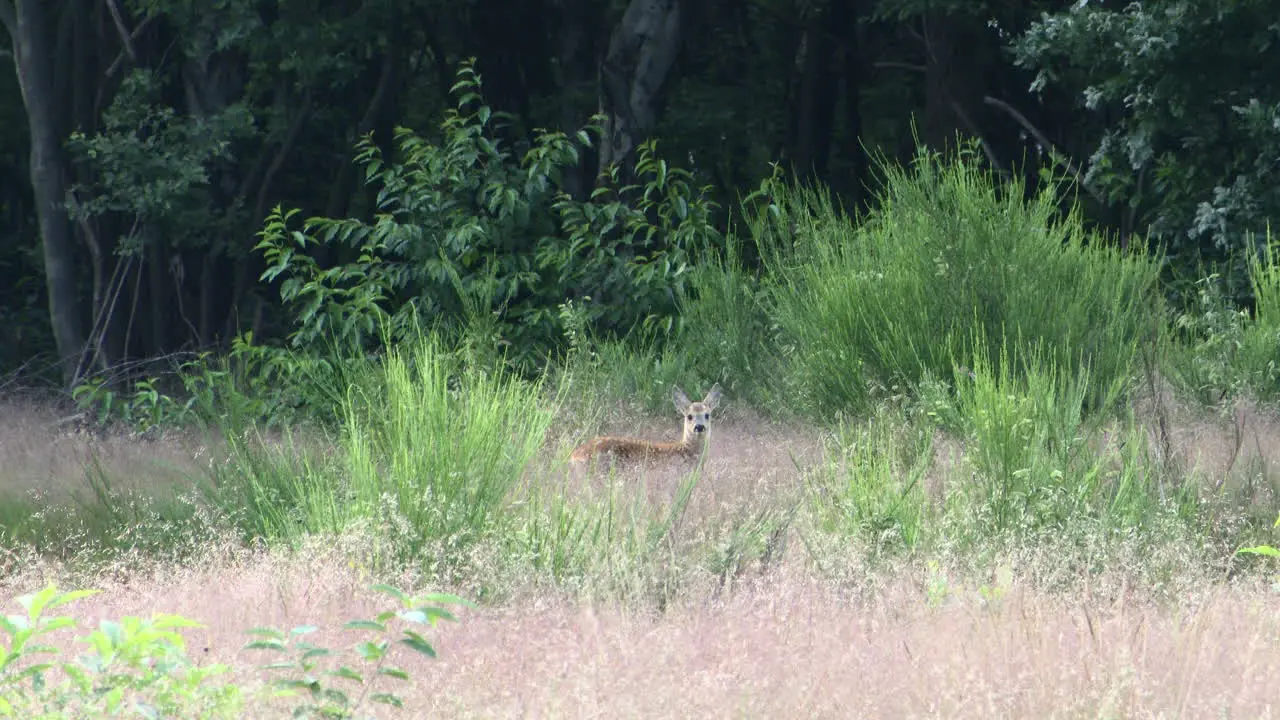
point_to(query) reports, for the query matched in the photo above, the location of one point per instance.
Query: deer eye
(690, 416)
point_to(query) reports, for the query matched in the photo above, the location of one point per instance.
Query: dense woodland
(146, 144)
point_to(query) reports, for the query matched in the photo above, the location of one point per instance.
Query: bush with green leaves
(950, 256)
(133, 666)
(469, 227)
(319, 688)
(140, 667)
(1189, 103)
(1224, 352)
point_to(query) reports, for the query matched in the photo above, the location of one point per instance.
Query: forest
(145, 144)
(339, 344)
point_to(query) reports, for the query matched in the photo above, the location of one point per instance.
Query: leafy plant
(140, 667)
(321, 689)
(198, 391)
(470, 219)
(134, 665)
(1188, 89)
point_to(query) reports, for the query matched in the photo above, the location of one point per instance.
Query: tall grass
(949, 256)
(1029, 445)
(1223, 352)
(614, 542)
(1259, 360)
(871, 483)
(428, 453)
(1032, 465)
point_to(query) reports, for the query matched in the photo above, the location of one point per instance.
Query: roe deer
(697, 422)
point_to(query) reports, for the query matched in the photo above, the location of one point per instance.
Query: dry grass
(787, 647)
(39, 454)
(750, 464)
(783, 643)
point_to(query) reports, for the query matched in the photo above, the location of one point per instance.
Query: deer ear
(680, 399)
(713, 397)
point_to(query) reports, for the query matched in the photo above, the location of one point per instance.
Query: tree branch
(1060, 157)
(977, 132)
(126, 39)
(127, 52)
(894, 65)
(286, 147)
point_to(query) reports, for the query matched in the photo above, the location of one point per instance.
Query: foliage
(1225, 352)
(1190, 92)
(1264, 549)
(951, 256)
(149, 407)
(140, 667)
(307, 679)
(427, 442)
(150, 164)
(134, 665)
(469, 221)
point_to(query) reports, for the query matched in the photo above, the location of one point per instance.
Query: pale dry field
(786, 647)
(786, 642)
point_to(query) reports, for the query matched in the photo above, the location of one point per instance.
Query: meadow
(970, 462)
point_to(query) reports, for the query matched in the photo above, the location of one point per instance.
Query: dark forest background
(146, 144)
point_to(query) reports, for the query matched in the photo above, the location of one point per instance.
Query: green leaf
(348, 674)
(387, 699)
(393, 672)
(418, 643)
(266, 645)
(1266, 550)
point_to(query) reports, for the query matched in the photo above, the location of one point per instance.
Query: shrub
(140, 667)
(468, 228)
(949, 257)
(427, 441)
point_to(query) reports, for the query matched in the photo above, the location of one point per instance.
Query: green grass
(959, 311)
(427, 445)
(871, 485)
(950, 257)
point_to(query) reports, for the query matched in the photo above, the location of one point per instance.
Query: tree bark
(345, 180)
(576, 67)
(642, 51)
(815, 113)
(845, 21)
(30, 28)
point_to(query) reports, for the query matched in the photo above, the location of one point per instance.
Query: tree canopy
(523, 154)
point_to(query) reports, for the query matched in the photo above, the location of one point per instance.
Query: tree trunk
(815, 114)
(845, 21)
(30, 28)
(641, 53)
(158, 294)
(576, 67)
(956, 59)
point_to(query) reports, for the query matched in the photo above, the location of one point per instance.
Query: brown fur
(697, 425)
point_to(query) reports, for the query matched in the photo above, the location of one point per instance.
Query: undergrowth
(957, 315)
